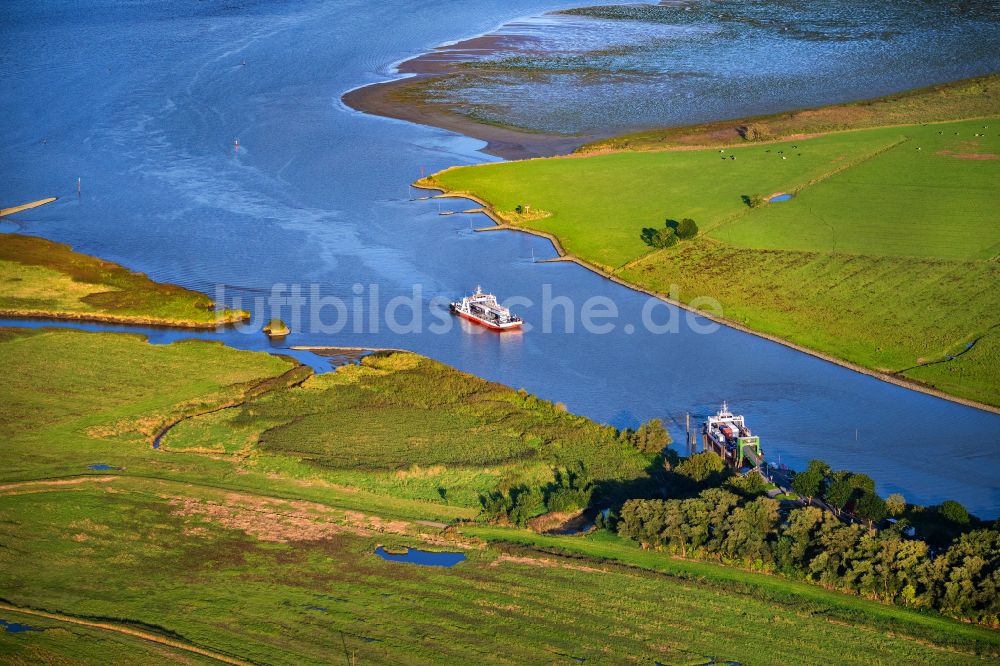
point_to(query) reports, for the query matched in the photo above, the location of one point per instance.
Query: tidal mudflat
(540, 84)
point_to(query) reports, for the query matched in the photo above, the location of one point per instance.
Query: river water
(144, 103)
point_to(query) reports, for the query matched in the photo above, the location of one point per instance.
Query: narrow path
(129, 631)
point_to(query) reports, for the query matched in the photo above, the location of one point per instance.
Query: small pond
(423, 557)
(16, 627)
(101, 467)
(780, 197)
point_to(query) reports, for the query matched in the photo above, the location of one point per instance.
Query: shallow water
(688, 62)
(143, 103)
(16, 627)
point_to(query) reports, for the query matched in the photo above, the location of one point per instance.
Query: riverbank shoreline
(383, 99)
(126, 320)
(400, 98)
(912, 385)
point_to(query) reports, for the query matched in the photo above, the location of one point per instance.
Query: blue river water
(144, 103)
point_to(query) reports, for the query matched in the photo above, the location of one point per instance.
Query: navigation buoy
(78, 185)
(236, 144)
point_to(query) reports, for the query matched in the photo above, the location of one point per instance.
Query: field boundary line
(793, 191)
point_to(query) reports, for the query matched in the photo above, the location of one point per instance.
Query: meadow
(391, 425)
(884, 257)
(41, 278)
(933, 196)
(257, 545)
(598, 205)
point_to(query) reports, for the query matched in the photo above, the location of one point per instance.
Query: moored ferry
(728, 435)
(484, 310)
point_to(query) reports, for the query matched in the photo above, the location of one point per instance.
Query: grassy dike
(977, 97)
(248, 536)
(43, 279)
(884, 260)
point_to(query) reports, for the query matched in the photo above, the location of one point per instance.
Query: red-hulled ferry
(484, 310)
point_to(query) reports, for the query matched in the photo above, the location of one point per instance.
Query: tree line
(736, 524)
(698, 507)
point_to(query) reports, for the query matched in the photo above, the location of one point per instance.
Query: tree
(496, 506)
(750, 529)
(872, 508)
(812, 481)
(821, 467)
(651, 437)
(846, 487)
(528, 503)
(895, 504)
(808, 483)
(965, 580)
(701, 466)
(659, 238)
(665, 237)
(686, 229)
(954, 512)
(749, 485)
(840, 491)
(754, 200)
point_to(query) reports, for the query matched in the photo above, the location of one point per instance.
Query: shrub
(754, 200)
(754, 132)
(570, 492)
(275, 328)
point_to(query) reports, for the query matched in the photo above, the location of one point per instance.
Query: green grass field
(885, 257)
(253, 538)
(391, 425)
(137, 551)
(41, 278)
(600, 204)
(938, 202)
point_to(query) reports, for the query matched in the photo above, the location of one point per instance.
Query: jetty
(34, 204)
